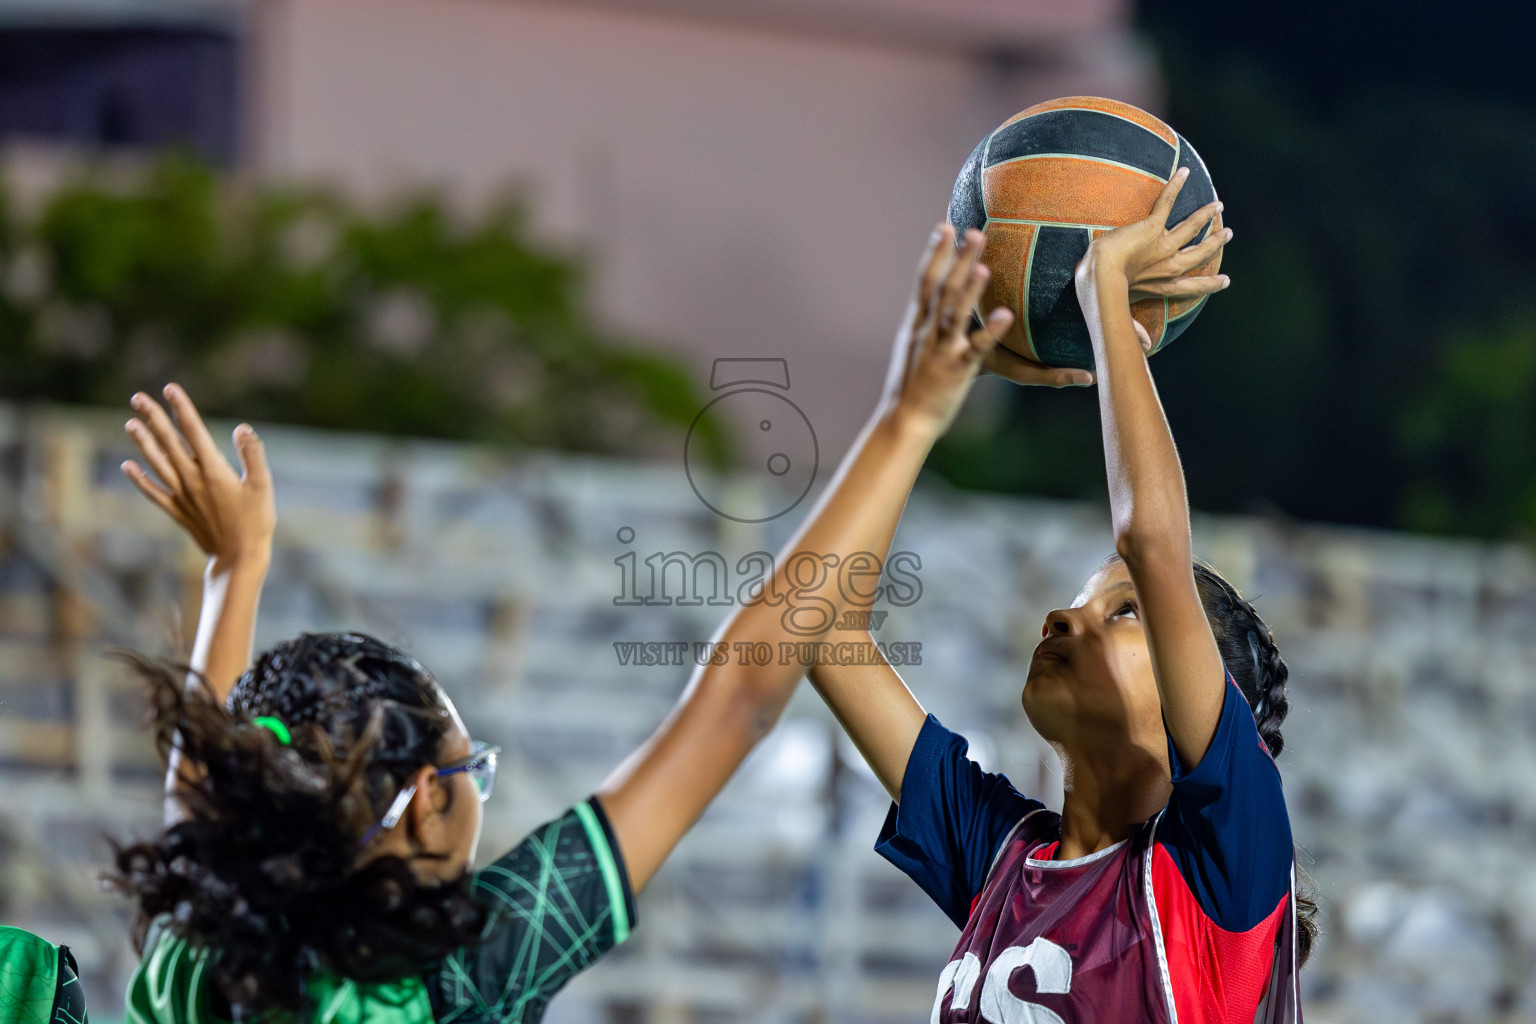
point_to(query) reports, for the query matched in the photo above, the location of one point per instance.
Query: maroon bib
(1078, 942)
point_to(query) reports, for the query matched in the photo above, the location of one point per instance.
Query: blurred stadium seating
(1407, 763)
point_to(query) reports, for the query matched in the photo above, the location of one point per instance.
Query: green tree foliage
(1368, 363)
(1471, 437)
(301, 307)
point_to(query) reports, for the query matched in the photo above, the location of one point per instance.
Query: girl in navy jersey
(1164, 891)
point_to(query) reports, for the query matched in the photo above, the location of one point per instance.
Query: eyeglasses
(481, 766)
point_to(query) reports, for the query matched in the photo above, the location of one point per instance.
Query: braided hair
(1251, 656)
(1249, 652)
(263, 870)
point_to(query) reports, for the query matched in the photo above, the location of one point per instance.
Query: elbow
(742, 700)
(758, 714)
(1136, 545)
(1129, 542)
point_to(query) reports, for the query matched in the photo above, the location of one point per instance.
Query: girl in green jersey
(323, 804)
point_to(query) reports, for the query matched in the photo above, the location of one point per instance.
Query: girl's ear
(425, 805)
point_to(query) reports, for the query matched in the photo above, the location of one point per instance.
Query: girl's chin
(1045, 711)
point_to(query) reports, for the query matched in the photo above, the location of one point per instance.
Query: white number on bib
(962, 975)
(1053, 973)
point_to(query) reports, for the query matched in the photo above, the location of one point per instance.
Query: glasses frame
(481, 764)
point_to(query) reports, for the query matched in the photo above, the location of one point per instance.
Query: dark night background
(1375, 359)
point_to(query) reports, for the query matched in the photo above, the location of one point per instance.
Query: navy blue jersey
(1198, 902)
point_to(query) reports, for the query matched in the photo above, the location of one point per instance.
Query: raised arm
(231, 518)
(659, 792)
(1146, 482)
(870, 700)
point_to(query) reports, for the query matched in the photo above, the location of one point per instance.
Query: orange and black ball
(1043, 185)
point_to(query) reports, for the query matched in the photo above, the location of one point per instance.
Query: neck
(1108, 797)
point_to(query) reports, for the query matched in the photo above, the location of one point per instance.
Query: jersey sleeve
(171, 981)
(1226, 827)
(69, 1001)
(950, 821)
(558, 901)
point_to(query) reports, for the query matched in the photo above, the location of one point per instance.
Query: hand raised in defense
(230, 517)
(938, 353)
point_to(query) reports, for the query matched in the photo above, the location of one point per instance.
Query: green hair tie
(277, 728)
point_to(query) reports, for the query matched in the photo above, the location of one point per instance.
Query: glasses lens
(480, 766)
(483, 772)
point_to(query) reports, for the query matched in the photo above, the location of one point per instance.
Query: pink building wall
(747, 179)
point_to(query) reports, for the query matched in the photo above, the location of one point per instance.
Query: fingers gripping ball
(1043, 185)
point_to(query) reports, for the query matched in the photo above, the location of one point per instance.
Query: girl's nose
(1059, 623)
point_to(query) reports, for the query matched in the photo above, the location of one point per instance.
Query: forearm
(227, 623)
(865, 501)
(221, 652)
(857, 517)
(1148, 503)
(805, 597)
(661, 789)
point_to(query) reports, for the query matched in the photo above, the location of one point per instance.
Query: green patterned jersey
(39, 982)
(557, 902)
(69, 999)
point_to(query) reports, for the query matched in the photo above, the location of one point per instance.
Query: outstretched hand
(938, 352)
(230, 517)
(1153, 257)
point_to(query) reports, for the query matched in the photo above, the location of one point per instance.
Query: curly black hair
(263, 869)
